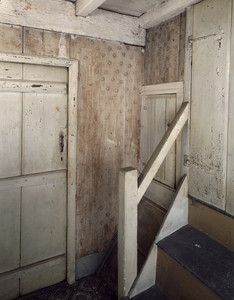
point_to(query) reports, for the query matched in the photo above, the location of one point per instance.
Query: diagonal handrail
(162, 150)
(131, 190)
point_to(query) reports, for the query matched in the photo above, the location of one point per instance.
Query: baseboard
(88, 265)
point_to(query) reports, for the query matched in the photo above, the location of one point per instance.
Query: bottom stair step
(153, 293)
(190, 264)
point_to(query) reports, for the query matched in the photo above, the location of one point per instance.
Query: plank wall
(110, 77)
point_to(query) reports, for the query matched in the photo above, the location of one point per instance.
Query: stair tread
(152, 293)
(209, 261)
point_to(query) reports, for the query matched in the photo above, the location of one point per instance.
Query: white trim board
(59, 15)
(72, 66)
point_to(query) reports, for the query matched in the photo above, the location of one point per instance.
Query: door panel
(43, 73)
(33, 177)
(10, 229)
(42, 275)
(10, 134)
(44, 128)
(43, 220)
(10, 70)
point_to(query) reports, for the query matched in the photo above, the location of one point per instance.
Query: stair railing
(131, 191)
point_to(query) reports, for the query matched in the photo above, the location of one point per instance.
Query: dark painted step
(209, 261)
(153, 293)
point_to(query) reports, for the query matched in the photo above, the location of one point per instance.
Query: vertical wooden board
(43, 229)
(10, 70)
(230, 157)
(170, 160)
(44, 125)
(48, 43)
(209, 109)
(9, 286)
(9, 229)
(43, 275)
(162, 57)
(157, 128)
(206, 22)
(144, 136)
(10, 38)
(10, 134)
(44, 73)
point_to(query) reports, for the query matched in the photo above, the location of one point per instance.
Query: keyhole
(61, 142)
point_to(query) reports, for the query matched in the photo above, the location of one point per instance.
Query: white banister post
(127, 231)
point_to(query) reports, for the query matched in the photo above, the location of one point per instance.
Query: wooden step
(153, 293)
(191, 265)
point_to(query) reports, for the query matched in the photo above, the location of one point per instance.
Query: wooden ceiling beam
(59, 15)
(86, 7)
(165, 11)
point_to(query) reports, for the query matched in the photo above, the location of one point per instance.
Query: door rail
(131, 191)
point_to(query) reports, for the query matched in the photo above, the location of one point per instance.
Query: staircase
(183, 262)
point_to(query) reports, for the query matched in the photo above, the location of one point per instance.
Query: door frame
(72, 66)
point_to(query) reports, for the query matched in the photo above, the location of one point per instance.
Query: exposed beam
(59, 15)
(164, 12)
(86, 7)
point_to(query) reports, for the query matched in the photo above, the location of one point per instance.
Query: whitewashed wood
(157, 128)
(164, 88)
(33, 87)
(176, 217)
(86, 7)
(9, 229)
(160, 194)
(35, 179)
(10, 134)
(230, 157)
(36, 60)
(45, 119)
(170, 160)
(161, 151)
(42, 275)
(147, 275)
(43, 221)
(45, 73)
(144, 136)
(9, 287)
(59, 15)
(130, 7)
(72, 125)
(164, 11)
(181, 146)
(209, 105)
(10, 70)
(127, 231)
(72, 172)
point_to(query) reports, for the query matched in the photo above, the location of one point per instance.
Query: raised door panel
(10, 229)
(43, 220)
(44, 73)
(44, 129)
(10, 134)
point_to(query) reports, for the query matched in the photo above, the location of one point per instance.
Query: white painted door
(157, 112)
(33, 177)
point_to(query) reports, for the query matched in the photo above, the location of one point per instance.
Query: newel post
(127, 231)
